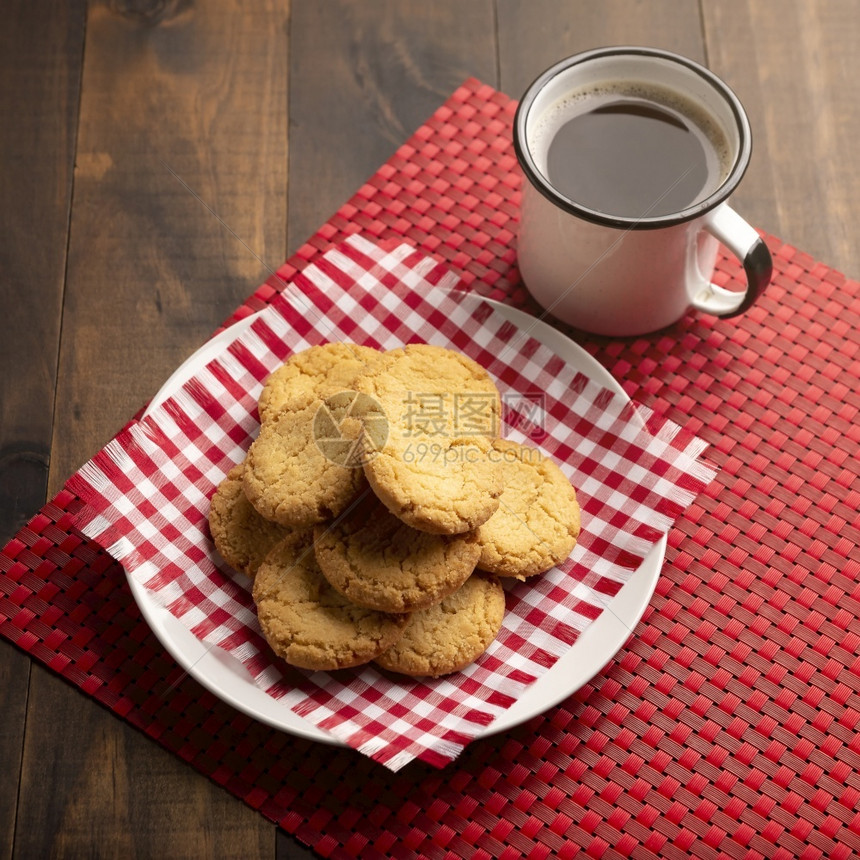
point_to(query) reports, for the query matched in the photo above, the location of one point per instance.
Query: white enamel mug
(624, 275)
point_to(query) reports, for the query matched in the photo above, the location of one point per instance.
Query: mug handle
(745, 243)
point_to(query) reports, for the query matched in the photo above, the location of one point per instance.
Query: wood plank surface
(214, 138)
(180, 200)
(182, 115)
(115, 794)
(534, 35)
(41, 49)
(40, 65)
(363, 77)
(801, 88)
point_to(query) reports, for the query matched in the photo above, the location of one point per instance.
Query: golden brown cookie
(318, 371)
(537, 523)
(309, 624)
(452, 634)
(376, 560)
(434, 470)
(241, 536)
(293, 476)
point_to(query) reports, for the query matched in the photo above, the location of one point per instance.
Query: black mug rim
(540, 182)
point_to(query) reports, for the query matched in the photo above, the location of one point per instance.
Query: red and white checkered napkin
(147, 494)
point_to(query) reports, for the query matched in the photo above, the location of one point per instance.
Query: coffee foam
(596, 95)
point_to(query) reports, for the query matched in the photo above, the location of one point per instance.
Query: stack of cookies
(378, 508)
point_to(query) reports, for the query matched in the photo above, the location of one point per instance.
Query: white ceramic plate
(225, 676)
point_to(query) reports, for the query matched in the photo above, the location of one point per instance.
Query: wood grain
(801, 89)
(180, 201)
(534, 35)
(181, 116)
(41, 50)
(115, 794)
(14, 683)
(40, 65)
(363, 77)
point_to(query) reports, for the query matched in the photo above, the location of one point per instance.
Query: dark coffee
(632, 157)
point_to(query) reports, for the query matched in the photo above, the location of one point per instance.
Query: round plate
(228, 679)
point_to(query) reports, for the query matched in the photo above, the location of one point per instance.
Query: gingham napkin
(147, 493)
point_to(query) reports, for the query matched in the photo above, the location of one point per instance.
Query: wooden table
(159, 159)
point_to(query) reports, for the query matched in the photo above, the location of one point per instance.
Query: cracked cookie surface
(376, 560)
(538, 520)
(434, 470)
(318, 371)
(289, 479)
(450, 635)
(241, 536)
(309, 624)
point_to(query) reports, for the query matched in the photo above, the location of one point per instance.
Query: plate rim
(617, 626)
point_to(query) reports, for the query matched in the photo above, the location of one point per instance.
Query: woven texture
(147, 494)
(728, 726)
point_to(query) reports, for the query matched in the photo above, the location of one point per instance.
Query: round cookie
(537, 523)
(452, 634)
(376, 560)
(292, 480)
(434, 470)
(319, 371)
(309, 624)
(241, 536)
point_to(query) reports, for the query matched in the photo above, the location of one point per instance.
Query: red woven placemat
(728, 726)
